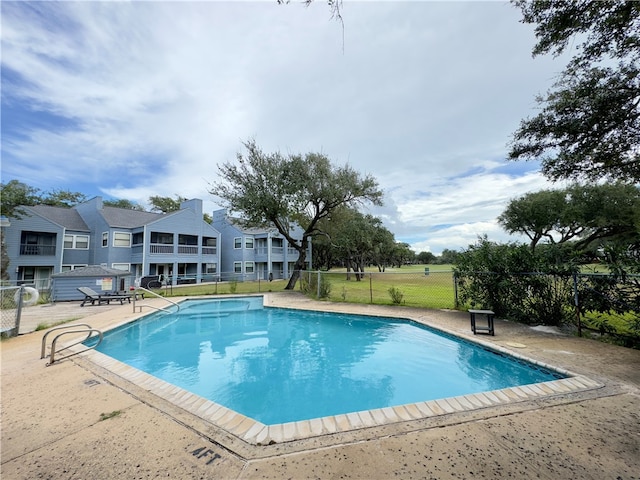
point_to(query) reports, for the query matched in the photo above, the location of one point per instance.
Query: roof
(66, 217)
(239, 224)
(125, 218)
(93, 271)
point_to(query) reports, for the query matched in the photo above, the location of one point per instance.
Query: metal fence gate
(11, 303)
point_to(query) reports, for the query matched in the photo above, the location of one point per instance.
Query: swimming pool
(278, 365)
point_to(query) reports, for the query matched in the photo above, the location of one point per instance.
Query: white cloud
(147, 98)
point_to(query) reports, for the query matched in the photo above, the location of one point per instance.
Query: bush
(309, 285)
(507, 279)
(396, 295)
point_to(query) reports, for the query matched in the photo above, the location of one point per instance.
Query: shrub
(396, 295)
(309, 285)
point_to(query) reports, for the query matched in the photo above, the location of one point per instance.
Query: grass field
(417, 289)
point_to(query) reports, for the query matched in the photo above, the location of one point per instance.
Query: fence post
(370, 287)
(576, 301)
(18, 312)
(318, 283)
(455, 289)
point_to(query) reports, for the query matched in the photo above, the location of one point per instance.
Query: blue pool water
(279, 365)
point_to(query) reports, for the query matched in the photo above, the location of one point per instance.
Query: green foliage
(165, 204)
(590, 215)
(396, 295)
(279, 191)
(4, 258)
(514, 282)
(62, 198)
(426, 258)
(589, 123)
(355, 240)
(126, 204)
(448, 257)
(309, 285)
(15, 194)
(106, 416)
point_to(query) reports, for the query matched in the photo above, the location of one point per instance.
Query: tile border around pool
(256, 433)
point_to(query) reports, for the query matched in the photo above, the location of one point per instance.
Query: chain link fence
(599, 303)
(11, 303)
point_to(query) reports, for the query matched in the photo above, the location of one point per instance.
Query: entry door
(42, 277)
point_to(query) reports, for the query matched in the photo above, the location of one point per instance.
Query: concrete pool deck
(52, 427)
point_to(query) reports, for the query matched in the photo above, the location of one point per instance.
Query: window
(237, 267)
(138, 238)
(80, 242)
(209, 242)
(66, 268)
(237, 242)
(248, 267)
(248, 243)
(121, 239)
(121, 266)
(187, 239)
(105, 239)
(211, 268)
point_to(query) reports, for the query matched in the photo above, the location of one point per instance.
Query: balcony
(29, 249)
(160, 248)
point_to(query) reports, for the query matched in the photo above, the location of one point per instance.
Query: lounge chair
(91, 296)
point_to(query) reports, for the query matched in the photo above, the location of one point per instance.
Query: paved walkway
(74, 421)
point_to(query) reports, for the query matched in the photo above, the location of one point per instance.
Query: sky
(128, 100)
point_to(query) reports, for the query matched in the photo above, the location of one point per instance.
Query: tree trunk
(299, 265)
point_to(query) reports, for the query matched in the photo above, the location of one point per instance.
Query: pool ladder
(70, 329)
(146, 291)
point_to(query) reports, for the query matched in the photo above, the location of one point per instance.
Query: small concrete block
(378, 416)
(303, 428)
(288, 431)
(275, 433)
(435, 408)
(366, 418)
(316, 426)
(413, 411)
(330, 424)
(342, 423)
(444, 404)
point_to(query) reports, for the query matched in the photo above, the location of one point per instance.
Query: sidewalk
(52, 427)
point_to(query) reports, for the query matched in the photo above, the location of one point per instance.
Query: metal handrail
(53, 344)
(177, 305)
(44, 339)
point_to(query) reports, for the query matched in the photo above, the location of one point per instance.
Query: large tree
(272, 189)
(166, 204)
(15, 194)
(589, 124)
(122, 203)
(591, 216)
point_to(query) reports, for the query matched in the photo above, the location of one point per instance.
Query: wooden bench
(488, 314)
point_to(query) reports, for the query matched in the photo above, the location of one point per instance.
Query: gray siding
(66, 289)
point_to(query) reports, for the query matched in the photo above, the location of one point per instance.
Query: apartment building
(47, 240)
(250, 253)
